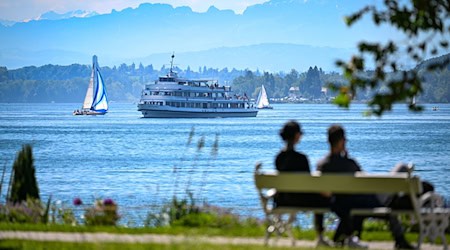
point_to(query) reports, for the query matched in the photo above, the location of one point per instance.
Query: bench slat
(339, 183)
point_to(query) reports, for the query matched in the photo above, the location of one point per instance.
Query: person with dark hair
(338, 161)
(289, 160)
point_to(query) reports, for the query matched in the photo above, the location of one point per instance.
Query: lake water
(132, 160)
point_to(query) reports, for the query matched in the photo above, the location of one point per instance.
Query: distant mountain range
(265, 57)
(51, 15)
(275, 36)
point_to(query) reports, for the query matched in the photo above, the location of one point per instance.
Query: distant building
(294, 92)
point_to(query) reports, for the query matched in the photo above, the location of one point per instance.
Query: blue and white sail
(100, 102)
(96, 100)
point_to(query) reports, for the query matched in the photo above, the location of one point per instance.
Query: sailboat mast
(87, 104)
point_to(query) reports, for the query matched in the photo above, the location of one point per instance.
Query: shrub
(103, 213)
(24, 185)
(30, 211)
(185, 214)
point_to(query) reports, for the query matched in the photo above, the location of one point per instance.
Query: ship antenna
(171, 62)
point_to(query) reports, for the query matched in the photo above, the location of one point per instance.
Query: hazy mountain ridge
(151, 29)
(4, 22)
(265, 57)
(51, 15)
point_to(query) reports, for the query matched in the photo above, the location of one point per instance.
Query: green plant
(24, 185)
(30, 211)
(63, 215)
(103, 213)
(425, 24)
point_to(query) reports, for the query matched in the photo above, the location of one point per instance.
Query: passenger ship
(173, 97)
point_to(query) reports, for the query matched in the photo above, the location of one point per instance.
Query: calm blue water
(132, 160)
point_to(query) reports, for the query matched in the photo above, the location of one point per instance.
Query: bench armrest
(431, 200)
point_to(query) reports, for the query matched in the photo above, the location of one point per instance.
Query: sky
(22, 10)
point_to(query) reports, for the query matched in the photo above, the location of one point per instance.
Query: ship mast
(171, 63)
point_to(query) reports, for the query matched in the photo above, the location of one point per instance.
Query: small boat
(96, 101)
(263, 102)
(174, 97)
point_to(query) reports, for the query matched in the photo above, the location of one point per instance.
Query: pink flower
(77, 201)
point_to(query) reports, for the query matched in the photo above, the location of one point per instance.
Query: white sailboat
(263, 102)
(96, 101)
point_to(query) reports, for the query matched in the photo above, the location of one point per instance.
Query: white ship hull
(150, 111)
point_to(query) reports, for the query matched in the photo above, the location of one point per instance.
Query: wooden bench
(432, 219)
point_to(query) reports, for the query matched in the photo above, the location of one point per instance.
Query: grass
(174, 230)
(186, 231)
(33, 245)
(236, 231)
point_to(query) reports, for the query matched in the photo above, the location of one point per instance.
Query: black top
(291, 161)
(335, 163)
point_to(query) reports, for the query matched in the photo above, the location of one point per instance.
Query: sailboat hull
(265, 107)
(87, 112)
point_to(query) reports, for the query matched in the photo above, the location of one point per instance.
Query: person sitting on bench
(289, 160)
(337, 161)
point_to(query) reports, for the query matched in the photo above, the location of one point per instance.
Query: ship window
(205, 105)
(197, 105)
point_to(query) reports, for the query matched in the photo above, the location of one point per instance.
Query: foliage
(103, 213)
(183, 245)
(425, 25)
(62, 215)
(24, 185)
(310, 83)
(29, 211)
(53, 83)
(184, 213)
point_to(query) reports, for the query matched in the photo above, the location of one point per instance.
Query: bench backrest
(359, 183)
